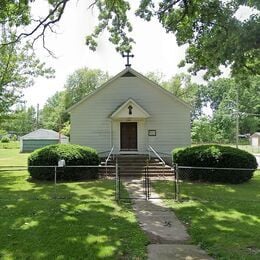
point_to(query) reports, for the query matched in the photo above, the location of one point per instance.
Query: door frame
(130, 150)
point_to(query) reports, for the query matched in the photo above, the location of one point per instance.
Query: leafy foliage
(72, 154)
(21, 121)
(5, 139)
(18, 68)
(81, 83)
(213, 31)
(53, 114)
(221, 96)
(113, 17)
(211, 28)
(181, 86)
(218, 157)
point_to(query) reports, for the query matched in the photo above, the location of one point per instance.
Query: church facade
(130, 113)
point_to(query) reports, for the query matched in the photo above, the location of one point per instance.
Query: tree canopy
(18, 68)
(212, 31)
(82, 82)
(79, 84)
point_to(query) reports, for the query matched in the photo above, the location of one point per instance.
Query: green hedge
(72, 154)
(215, 156)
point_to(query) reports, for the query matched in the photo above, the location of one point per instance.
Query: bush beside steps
(216, 156)
(72, 154)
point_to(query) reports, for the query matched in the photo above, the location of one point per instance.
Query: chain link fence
(17, 184)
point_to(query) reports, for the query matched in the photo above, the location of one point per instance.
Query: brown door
(128, 136)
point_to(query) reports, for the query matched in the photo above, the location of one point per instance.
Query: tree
(181, 86)
(81, 83)
(53, 114)
(18, 68)
(214, 34)
(221, 96)
(21, 121)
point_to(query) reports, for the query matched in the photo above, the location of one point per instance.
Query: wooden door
(128, 136)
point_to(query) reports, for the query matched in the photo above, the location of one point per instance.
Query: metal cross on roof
(127, 56)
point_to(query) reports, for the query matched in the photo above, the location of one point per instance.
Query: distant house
(40, 138)
(131, 113)
(255, 139)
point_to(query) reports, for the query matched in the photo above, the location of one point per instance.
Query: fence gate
(144, 186)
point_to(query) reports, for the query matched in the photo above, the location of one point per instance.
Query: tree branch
(44, 24)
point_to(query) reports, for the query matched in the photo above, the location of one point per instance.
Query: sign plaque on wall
(152, 132)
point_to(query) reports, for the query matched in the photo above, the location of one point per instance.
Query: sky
(155, 50)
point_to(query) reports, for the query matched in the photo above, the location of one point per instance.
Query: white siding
(91, 123)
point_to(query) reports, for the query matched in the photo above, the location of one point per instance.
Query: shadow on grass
(225, 219)
(83, 223)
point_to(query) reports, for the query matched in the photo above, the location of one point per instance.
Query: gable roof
(141, 111)
(45, 134)
(255, 134)
(129, 71)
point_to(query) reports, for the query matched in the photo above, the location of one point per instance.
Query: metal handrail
(156, 154)
(109, 155)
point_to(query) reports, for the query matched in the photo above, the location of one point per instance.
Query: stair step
(135, 165)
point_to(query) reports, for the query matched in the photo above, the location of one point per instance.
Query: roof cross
(127, 56)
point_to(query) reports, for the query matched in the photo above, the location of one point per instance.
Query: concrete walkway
(168, 237)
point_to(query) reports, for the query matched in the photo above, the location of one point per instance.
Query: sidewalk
(168, 237)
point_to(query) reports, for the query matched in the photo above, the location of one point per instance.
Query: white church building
(130, 113)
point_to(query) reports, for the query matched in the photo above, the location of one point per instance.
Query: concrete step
(135, 165)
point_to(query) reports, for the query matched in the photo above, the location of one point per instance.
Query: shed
(255, 139)
(40, 138)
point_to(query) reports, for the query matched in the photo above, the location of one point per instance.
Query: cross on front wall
(127, 56)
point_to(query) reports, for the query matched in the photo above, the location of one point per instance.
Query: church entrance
(128, 136)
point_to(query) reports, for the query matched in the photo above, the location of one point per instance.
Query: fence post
(174, 176)
(177, 190)
(117, 186)
(55, 182)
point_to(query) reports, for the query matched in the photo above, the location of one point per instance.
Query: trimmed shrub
(5, 139)
(215, 156)
(72, 154)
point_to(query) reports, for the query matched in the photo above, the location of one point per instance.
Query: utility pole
(37, 116)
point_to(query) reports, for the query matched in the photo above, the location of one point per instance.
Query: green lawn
(10, 145)
(11, 157)
(224, 219)
(83, 222)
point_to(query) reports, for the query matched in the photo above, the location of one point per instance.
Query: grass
(10, 145)
(12, 157)
(223, 219)
(80, 220)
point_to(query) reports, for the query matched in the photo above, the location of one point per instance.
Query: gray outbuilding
(40, 138)
(255, 139)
